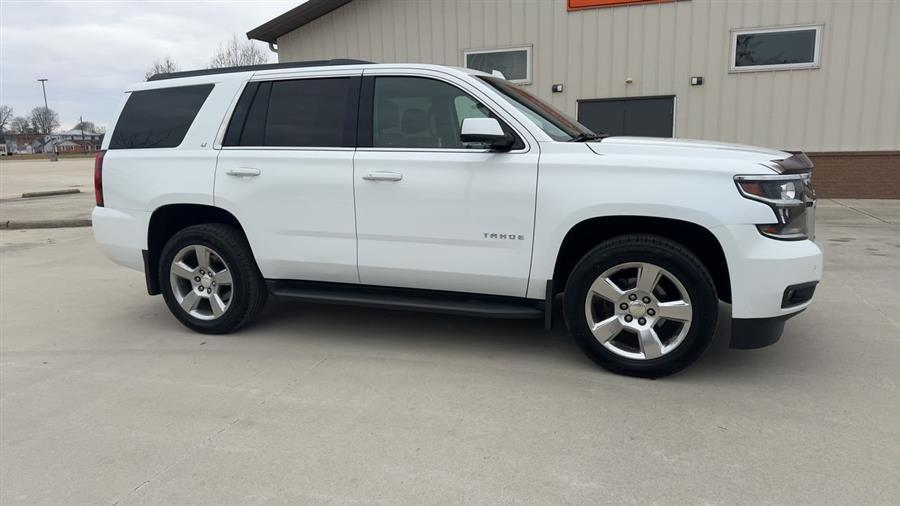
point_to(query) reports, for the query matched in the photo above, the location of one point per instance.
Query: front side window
(296, 113)
(775, 49)
(468, 107)
(553, 122)
(514, 63)
(158, 118)
(415, 112)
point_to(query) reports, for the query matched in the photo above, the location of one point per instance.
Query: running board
(432, 301)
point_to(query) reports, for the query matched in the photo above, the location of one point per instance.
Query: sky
(91, 50)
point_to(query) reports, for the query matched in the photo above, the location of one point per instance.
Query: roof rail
(267, 66)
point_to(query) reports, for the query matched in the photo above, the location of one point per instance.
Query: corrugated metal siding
(851, 103)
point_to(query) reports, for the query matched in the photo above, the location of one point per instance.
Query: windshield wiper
(584, 137)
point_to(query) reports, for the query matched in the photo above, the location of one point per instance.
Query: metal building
(821, 76)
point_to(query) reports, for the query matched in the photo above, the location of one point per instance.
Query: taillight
(98, 178)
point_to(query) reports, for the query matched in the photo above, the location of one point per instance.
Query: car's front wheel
(210, 280)
(641, 305)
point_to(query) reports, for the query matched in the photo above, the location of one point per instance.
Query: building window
(795, 47)
(514, 63)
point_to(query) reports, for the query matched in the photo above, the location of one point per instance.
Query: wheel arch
(166, 221)
(585, 235)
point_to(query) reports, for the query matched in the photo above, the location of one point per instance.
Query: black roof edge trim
(796, 163)
(266, 66)
(293, 19)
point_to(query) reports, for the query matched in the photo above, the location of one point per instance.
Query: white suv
(442, 189)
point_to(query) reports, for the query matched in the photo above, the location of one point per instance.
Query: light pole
(46, 113)
(44, 87)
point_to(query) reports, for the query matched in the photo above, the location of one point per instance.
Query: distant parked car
(441, 189)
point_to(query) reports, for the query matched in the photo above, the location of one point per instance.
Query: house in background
(21, 143)
(78, 141)
(814, 75)
(71, 141)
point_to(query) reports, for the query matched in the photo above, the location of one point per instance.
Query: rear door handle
(383, 176)
(243, 172)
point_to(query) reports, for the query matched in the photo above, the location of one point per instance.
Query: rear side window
(317, 112)
(158, 118)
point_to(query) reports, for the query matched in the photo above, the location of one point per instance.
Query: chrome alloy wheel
(638, 310)
(201, 282)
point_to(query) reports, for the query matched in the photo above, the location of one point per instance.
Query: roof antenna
(497, 73)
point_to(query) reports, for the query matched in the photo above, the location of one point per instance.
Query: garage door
(645, 116)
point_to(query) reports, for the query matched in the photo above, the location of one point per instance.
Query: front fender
(574, 187)
(548, 245)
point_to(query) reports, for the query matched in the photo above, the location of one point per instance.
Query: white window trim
(785, 66)
(507, 49)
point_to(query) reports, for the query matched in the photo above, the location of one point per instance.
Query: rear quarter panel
(146, 179)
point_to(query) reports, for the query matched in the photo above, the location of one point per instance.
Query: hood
(661, 142)
(690, 151)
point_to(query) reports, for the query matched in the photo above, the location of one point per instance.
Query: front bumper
(770, 282)
(761, 269)
(752, 333)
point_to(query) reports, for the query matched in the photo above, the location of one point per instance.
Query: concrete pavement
(25, 176)
(72, 210)
(105, 398)
(21, 176)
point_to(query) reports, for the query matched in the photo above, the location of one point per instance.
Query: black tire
(672, 257)
(248, 294)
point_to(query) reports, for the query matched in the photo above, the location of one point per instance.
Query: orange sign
(589, 4)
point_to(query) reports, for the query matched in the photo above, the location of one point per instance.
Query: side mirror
(486, 131)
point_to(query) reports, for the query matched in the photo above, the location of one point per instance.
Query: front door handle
(383, 176)
(243, 172)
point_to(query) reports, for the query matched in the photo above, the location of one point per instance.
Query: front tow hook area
(753, 333)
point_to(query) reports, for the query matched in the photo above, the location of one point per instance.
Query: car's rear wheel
(210, 280)
(641, 305)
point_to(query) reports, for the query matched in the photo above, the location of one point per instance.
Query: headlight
(792, 199)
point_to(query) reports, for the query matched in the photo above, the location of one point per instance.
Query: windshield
(553, 122)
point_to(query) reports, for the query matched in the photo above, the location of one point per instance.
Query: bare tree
(236, 53)
(6, 113)
(164, 66)
(20, 125)
(87, 126)
(44, 120)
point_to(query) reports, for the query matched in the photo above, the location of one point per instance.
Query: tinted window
(302, 112)
(467, 107)
(158, 118)
(413, 112)
(775, 48)
(253, 133)
(239, 116)
(513, 64)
